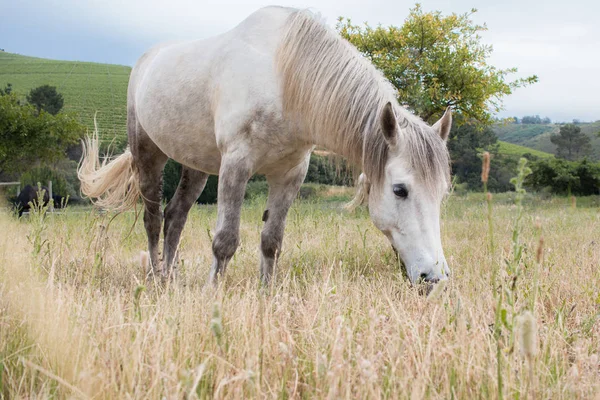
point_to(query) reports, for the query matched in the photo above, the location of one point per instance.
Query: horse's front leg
(233, 177)
(283, 189)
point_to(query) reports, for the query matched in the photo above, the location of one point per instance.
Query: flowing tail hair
(112, 183)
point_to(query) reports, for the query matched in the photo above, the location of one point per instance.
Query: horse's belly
(196, 149)
(182, 137)
(182, 127)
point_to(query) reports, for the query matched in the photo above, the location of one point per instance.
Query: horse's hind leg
(149, 161)
(150, 173)
(282, 192)
(189, 189)
(233, 177)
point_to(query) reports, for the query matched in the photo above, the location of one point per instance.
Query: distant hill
(537, 136)
(87, 88)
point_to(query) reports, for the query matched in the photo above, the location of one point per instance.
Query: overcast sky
(557, 40)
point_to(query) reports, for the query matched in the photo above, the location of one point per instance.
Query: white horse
(257, 99)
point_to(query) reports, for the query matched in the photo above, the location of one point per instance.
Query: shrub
(256, 188)
(209, 194)
(307, 192)
(327, 171)
(565, 177)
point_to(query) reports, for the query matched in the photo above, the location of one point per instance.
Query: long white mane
(331, 89)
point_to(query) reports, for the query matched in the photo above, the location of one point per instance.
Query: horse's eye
(400, 190)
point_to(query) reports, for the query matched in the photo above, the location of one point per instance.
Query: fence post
(50, 201)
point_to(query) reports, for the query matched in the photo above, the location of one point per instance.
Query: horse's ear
(389, 125)
(444, 124)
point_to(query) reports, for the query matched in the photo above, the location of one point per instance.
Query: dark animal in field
(59, 201)
(27, 195)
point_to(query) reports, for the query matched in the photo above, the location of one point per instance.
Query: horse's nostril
(423, 277)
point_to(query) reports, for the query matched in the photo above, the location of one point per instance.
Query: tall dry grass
(78, 320)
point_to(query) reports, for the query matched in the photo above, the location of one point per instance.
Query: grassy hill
(87, 88)
(538, 136)
(517, 150)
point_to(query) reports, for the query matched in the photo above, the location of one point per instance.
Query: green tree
(437, 61)
(328, 171)
(581, 178)
(28, 136)
(531, 119)
(589, 177)
(46, 98)
(571, 143)
(466, 144)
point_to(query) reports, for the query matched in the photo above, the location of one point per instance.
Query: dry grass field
(78, 319)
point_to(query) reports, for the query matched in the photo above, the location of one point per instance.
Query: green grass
(517, 150)
(87, 88)
(520, 133)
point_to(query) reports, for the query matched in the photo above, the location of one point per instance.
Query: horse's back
(253, 41)
(197, 89)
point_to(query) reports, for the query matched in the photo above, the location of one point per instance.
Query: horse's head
(405, 200)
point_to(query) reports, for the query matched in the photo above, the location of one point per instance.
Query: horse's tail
(112, 184)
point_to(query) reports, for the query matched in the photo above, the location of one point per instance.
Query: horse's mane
(330, 89)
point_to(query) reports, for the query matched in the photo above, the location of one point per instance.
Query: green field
(537, 136)
(87, 88)
(517, 150)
